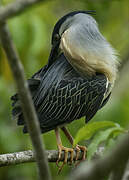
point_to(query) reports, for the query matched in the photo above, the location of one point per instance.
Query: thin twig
(126, 173)
(15, 8)
(118, 172)
(26, 101)
(28, 156)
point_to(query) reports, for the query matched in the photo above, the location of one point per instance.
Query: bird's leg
(68, 135)
(77, 147)
(62, 148)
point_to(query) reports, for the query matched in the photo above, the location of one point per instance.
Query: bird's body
(66, 97)
(78, 79)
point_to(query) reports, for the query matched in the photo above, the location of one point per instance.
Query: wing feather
(73, 99)
(61, 95)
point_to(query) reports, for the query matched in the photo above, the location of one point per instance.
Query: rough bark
(28, 156)
(23, 90)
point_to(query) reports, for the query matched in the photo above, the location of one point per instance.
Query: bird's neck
(89, 60)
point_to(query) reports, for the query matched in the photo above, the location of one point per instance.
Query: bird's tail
(16, 104)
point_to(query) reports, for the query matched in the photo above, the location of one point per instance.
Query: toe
(78, 149)
(84, 150)
(66, 151)
(77, 153)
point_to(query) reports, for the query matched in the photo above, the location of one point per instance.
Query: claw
(77, 152)
(61, 148)
(78, 149)
(66, 150)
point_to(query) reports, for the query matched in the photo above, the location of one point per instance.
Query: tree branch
(15, 8)
(28, 156)
(18, 73)
(100, 168)
(126, 173)
(26, 101)
(118, 172)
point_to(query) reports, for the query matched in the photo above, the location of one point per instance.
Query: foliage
(90, 129)
(93, 131)
(31, 33)
(103, 137)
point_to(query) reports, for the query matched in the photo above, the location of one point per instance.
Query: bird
(77, 80)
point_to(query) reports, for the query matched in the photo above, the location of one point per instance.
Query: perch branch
(15, 8)
(26, 101)
(28, 156)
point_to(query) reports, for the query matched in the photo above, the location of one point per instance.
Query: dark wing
(62, 95)
(70, 100)
(105, 101)
(40, 83)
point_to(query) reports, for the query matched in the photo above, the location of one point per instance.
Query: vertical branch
(118, 172)
(26, 101)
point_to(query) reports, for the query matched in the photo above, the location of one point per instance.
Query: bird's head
(77, 35)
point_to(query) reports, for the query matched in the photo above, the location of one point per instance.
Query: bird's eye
(56, 37)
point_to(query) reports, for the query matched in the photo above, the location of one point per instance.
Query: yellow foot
(66, 150)
(79, 148)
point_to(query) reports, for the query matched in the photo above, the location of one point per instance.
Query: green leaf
(90, 129)
(101, 137)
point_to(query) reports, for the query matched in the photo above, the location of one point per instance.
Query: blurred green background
(31, 32)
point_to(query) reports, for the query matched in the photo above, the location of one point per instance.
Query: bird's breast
(86, 59)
